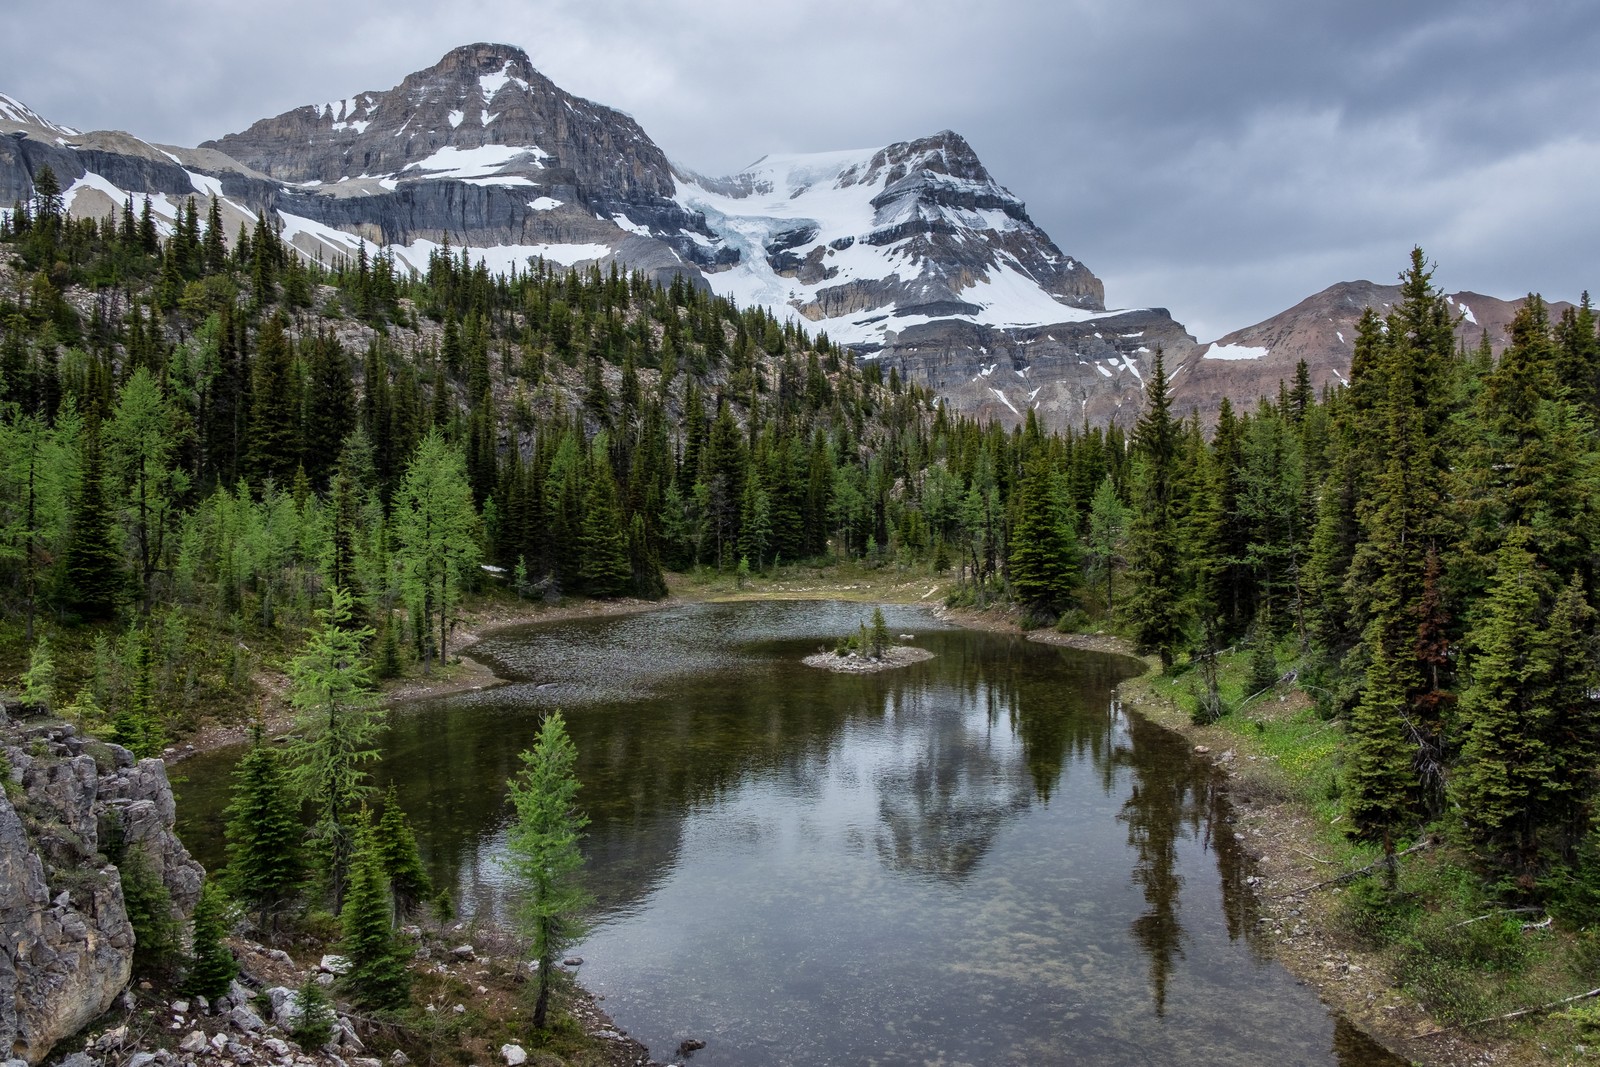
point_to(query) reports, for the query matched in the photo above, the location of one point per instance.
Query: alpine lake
(975, 859)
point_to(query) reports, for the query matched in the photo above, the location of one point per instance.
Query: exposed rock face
(911, 253)
(916, 230)
(1069, 373)
(480, 146)
(66, 947)
(1321, 330)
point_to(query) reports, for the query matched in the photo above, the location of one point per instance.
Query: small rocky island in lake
(865, 663)
(869, 650)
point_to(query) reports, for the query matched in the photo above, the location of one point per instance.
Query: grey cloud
(1221, 159)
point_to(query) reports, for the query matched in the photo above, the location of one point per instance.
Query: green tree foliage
(1108, 527)
(436, 533)
(314, 1026)
(94, 575)
(210, 968)
(1155, 607)
(544, 851)
(157, 944)
(396, 844)
(1043, 560)
(263, 834)
(337, 722)
(378, 979)
(1525, 780)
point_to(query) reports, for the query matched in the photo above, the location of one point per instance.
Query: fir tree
(211, 967)
(397, 849)
(377, 979)
(263, 833)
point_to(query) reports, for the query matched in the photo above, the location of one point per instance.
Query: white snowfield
(823, 201)
(830, 192)
(1217, 351)
(483, 164)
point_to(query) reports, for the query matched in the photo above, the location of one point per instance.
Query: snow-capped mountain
(912, 253)
(867, 243)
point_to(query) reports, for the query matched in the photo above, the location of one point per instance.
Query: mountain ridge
(911, 253)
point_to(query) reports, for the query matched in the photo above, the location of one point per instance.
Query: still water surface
(978, 859)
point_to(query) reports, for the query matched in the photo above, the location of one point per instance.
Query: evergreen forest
(213, 451)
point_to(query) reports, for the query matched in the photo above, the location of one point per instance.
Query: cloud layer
(1224, 160)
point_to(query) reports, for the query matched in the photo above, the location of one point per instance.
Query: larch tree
(436, 533)
(544, 851)
(337, 722)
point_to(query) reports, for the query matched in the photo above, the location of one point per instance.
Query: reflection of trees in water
(1175, 796)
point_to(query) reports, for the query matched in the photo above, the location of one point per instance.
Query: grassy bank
(1422, 953)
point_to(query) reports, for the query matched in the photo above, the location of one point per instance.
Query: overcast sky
(1221, 159)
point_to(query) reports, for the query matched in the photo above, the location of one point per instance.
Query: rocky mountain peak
(481, 114)
(15, 115)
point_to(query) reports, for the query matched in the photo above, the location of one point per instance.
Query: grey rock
(140, 1059)
(244, 1018)
(195, 1043)
(180, 1007)
(334, 965)
(399, 1059)
(344, 1037)
(463, 952)
(79, 1059)
(277, 1046)
(514, 1055)
(112, 1039)
(286, 1011)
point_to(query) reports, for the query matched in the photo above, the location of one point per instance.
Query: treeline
(202, 439)
(1427, 539)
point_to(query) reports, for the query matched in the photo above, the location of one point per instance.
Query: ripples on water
(976, 859)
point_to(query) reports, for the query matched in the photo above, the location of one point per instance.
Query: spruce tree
(1154, 607)
(273, 445)
(94, 574)
(1043, 557)
(377, 979)
(1525, 777)
(604, 568)
(263, 833)
(211, 967)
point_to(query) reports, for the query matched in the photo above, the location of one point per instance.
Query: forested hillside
(204, 437)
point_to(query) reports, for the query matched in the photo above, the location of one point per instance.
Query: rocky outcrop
(1070, 374)
(70, 807)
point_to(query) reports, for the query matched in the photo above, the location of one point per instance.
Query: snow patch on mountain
(15, 111)
(837, 212)
(483, 162)
(1217, 351)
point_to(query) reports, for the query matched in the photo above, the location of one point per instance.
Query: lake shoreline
(1279, 835)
